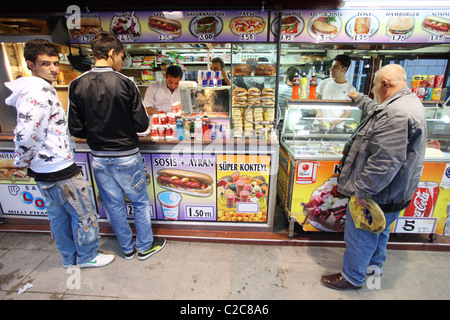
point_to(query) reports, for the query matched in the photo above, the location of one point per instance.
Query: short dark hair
(217, 59)
(102, 43)
(290, 72)
(166, 63)
(344, 59)
(174, 71)
(34, 48)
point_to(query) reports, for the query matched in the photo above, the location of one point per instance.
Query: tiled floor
(203, 270)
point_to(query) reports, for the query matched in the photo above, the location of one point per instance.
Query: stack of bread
(236, 114)
(259, 100)
(239, 101)
(268, 100)
(239, 97)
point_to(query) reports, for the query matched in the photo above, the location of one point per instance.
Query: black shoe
(130, 255)
(156, 246)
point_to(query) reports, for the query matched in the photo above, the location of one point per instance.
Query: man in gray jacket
(383, 161)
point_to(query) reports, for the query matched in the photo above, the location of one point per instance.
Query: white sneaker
(99, 261)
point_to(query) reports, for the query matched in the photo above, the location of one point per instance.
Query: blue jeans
(364, 249)
(73, 218)
(119, 176)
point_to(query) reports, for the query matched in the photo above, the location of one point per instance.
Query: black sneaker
(156, 246)
(130, 255)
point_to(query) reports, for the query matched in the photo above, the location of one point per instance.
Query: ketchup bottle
(295, 87)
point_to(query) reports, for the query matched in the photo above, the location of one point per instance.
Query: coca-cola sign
(424, 200)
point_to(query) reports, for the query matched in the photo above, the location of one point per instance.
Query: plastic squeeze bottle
(303, 86)
(295, 87)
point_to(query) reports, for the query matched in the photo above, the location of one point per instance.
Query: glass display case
(214, 102)
(253, 84)
(310, 158)
(438, 128)
(318, 129)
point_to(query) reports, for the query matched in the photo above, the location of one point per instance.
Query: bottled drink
(180, 129)
(187, 130)
(312, 88)
(303, 86)
(206, 132)
(295, 87)
(198, 128)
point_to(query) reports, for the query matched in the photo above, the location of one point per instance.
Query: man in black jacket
(105, 108)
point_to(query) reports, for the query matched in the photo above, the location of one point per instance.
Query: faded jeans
(119, 176)
(364, 249)
(73, 218)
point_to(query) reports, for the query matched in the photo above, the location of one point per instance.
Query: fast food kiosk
(310, 152)
(243, 164)
(221, 178)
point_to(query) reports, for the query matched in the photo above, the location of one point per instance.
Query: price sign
(323, 37)
(125, 37)
(361, 37)
(437, 37)
(87, 38)
(130, 211)
(252, 207)
(247, 37)
(200, 212)
(165, 37)
(398, 37)
(287, 37)
(415, 225)
(206, 37)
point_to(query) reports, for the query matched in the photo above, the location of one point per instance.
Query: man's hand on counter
(151, 111)
(353, 94)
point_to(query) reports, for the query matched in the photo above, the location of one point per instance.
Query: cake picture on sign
(326, 209)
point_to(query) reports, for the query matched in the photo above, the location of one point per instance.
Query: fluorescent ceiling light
(394, 4)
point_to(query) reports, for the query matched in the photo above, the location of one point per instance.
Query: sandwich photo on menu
(165, 26)
(437, 25)
(88, 26)
(328, 26)
(362, 26)
(400, 26)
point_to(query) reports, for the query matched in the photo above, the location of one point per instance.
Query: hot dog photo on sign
(165, 26)
(183, 181)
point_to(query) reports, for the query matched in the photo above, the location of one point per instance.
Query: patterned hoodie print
(41, 134)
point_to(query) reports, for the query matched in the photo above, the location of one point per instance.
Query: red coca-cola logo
(421, 203)
(424, 200)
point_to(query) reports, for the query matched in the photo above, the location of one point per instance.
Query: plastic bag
(371, 219)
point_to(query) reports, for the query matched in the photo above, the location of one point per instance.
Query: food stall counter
(224, 184)
(310, 157)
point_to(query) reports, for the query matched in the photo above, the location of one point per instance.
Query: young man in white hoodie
(44, 145)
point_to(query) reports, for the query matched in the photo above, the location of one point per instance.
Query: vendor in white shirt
(335, 88)
(160, 95)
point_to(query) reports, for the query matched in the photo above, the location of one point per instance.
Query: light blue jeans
(119, 176)
(73, 218)
(364, 249)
